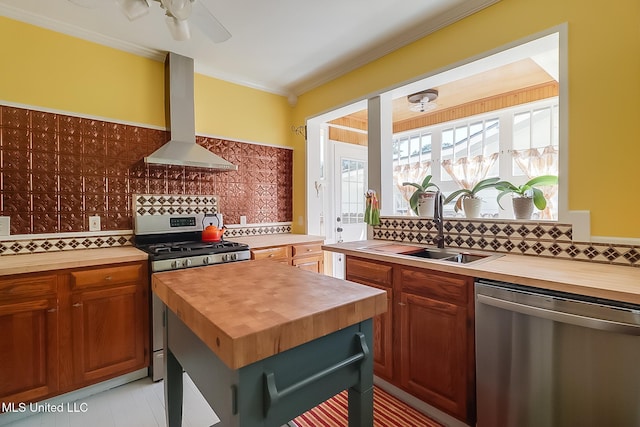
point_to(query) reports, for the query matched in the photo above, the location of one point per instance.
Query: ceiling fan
(179, 14)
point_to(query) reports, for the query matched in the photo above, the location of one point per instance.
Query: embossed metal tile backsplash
(546, 239)
(57, 170)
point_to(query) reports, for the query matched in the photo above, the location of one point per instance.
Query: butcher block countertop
(47, 261)
(613, 282)
(269, 240)
(247, 311)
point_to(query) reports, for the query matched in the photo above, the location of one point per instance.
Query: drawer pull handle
(309, 249)
(107, 278)
(272, 395)
(52, 310)
(270, 255)
(78, 304)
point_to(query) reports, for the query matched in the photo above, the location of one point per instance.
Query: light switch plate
(5, 225)
(94, 223)
(243, 220)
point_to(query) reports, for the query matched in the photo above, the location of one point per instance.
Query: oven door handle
(272, 395)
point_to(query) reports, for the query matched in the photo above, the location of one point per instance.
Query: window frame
(505, 119)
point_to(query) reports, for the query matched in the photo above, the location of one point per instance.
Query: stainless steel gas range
(174, 242)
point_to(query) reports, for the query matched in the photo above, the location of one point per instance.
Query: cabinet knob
(52, 310)
(401, 304)
(107, 278)
(78, 304)
(270, 255)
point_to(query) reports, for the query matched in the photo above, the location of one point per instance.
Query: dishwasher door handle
(559, 316)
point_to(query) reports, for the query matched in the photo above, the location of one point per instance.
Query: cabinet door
(377, 275)
(109, 330)
(315, 264)
(382, 339)
(433, 352)
(29, 344)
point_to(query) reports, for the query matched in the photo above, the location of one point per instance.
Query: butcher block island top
(247, 311)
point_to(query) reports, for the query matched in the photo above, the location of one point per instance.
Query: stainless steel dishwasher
(550, 359)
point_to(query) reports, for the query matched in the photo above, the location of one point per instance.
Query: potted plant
(422, 201)
(526, 195)
(468, 199)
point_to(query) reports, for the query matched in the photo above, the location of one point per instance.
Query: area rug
(387, 412)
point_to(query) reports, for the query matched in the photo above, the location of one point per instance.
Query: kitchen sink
(447, 255)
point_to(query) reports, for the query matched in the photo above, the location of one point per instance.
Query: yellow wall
(604, 89)
(241, 113)
(42, 68)
(46, 69)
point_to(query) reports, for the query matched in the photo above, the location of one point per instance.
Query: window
(514, 144)
(352, 191)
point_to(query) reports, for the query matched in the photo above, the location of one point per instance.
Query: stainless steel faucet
(438, 219)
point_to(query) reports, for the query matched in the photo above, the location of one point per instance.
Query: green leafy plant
(528, 189)
(465, 193)
(420, 189)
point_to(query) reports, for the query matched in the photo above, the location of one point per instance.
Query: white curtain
(535, 162)
(412, 172)
(468, 171)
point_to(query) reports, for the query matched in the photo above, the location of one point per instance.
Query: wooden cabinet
(377, 275)
(276, 253)
(424, 344)
(436, 344)
(109, 309)
(308, 256)
(65, 330)
(29, 344)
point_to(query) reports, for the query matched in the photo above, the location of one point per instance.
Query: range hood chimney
(182, 149)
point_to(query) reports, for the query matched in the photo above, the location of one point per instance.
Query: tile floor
(136, 404)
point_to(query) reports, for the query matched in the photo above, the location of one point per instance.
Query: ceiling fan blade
(202, 18)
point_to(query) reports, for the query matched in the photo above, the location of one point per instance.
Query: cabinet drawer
(448, 287)
(359, 270)
(106, 276)
(28, 286)
(307, 249)
(270, 253)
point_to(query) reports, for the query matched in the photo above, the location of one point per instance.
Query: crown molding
(416, 33)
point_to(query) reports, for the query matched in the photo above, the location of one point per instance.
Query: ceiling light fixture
(423, 101)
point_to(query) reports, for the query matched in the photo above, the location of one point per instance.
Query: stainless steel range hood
(182, 149)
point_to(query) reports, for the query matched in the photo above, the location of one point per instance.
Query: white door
(349, 184)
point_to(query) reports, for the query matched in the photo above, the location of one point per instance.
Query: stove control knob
(206, 260)
(174, 264)
(225, 257)
(187, 263)
(234, 257)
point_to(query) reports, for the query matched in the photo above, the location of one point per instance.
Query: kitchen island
(265, 342)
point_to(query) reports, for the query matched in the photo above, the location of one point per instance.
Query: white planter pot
(522, 207)
(426, 204)
(471, 207)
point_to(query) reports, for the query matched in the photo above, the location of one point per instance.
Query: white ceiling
(282, 46)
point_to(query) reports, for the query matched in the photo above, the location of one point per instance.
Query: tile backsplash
(57, 170)
(537, 238)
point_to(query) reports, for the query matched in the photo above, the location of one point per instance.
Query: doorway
(349, 186)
